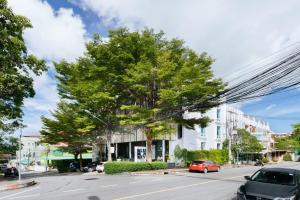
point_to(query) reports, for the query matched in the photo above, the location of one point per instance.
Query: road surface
(190, 186)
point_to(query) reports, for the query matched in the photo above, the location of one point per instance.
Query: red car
(204, 166)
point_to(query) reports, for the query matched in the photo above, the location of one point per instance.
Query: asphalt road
(214, 185)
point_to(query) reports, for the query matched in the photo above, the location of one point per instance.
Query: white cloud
(271, 106)
(234, 32)
(55, 35)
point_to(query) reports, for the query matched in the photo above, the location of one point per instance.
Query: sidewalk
(14, 184)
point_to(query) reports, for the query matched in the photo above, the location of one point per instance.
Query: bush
(61, 165)
(118, 167)
(287, 157)
(217, 156)
(265, 160)
(274, 159)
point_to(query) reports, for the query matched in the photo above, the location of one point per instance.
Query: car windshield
(198, 162)
(274, 177)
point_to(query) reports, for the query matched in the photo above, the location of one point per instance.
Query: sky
(235, 33)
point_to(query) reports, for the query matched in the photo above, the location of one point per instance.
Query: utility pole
(20, 154)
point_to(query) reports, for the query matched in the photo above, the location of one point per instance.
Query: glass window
(202, 145)
(179, 131)
(196, 162)
(274, 177)
(218, 113)
(202, 132)
(218, 131)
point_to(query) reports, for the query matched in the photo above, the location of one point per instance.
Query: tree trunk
(149, 149)
(76, 156)
(100, 152)
(80, 160)
(108, 142)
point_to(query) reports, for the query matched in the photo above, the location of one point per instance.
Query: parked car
(271, 183)
(11, 171)
(92, 166)
(204, 166)
(3, 167)
(74, 166)
(100, 167)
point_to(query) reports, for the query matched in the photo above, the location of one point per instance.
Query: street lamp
(89, 113)
(20, 147)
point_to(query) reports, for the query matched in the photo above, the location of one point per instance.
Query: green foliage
(291, 142)
(287, 157)
(9, 145)
(217, 156)
(265, 160)
(245, 142)
(15, 66)
(68, 125)
(118, 167)
(177, 152)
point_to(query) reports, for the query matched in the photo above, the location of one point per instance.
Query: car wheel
(205, 171)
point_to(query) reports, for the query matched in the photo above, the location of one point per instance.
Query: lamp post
(20, 147)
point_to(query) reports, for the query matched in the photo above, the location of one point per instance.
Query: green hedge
(63, 165)
(217, 156)
(118, 167)
(287, 157)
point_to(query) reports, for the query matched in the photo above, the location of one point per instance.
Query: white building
(31, 150)
(225, 120)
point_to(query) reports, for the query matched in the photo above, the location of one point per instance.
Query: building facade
(224, 122)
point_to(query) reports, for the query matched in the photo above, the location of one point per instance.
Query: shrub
(265, 160)
(118, 167)
(61, 165)
(217, 156)
(274, 159)
(287, 157)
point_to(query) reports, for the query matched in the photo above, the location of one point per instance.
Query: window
(218, 145)
(202, 131)
(202, 145)
(218, 132)
(179, 131)
(274, 177)
(218, 114)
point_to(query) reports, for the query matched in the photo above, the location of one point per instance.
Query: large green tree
(244, 142)
(69, 126)
(142, 79)
(15, 66)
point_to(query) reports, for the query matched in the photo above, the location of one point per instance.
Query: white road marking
(26, 196)
(134, 182)
(105, 186)
(11, 195)
(174, 188)
(74, 190)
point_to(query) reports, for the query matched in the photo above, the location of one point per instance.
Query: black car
(74, 166)
(271, 183)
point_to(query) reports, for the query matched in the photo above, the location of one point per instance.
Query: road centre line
(174, 188)
(11, 195)
(74, 190)
(105, 186)
(25, 196)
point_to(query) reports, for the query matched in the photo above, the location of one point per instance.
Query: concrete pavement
(185, 185)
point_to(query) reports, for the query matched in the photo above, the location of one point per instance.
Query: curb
(17, 186)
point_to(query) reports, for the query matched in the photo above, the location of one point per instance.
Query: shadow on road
(93, 198)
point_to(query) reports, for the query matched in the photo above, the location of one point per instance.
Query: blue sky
(234, 32)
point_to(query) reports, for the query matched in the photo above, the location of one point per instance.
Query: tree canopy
(291, 142)
(69, 126)
(244, 142)
(15, 67)
(9, 145)
(142, 79)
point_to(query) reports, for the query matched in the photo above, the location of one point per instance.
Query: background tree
(244, 142)
(68, 126)
(9, 145)
(15, 67)
(291, 142)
